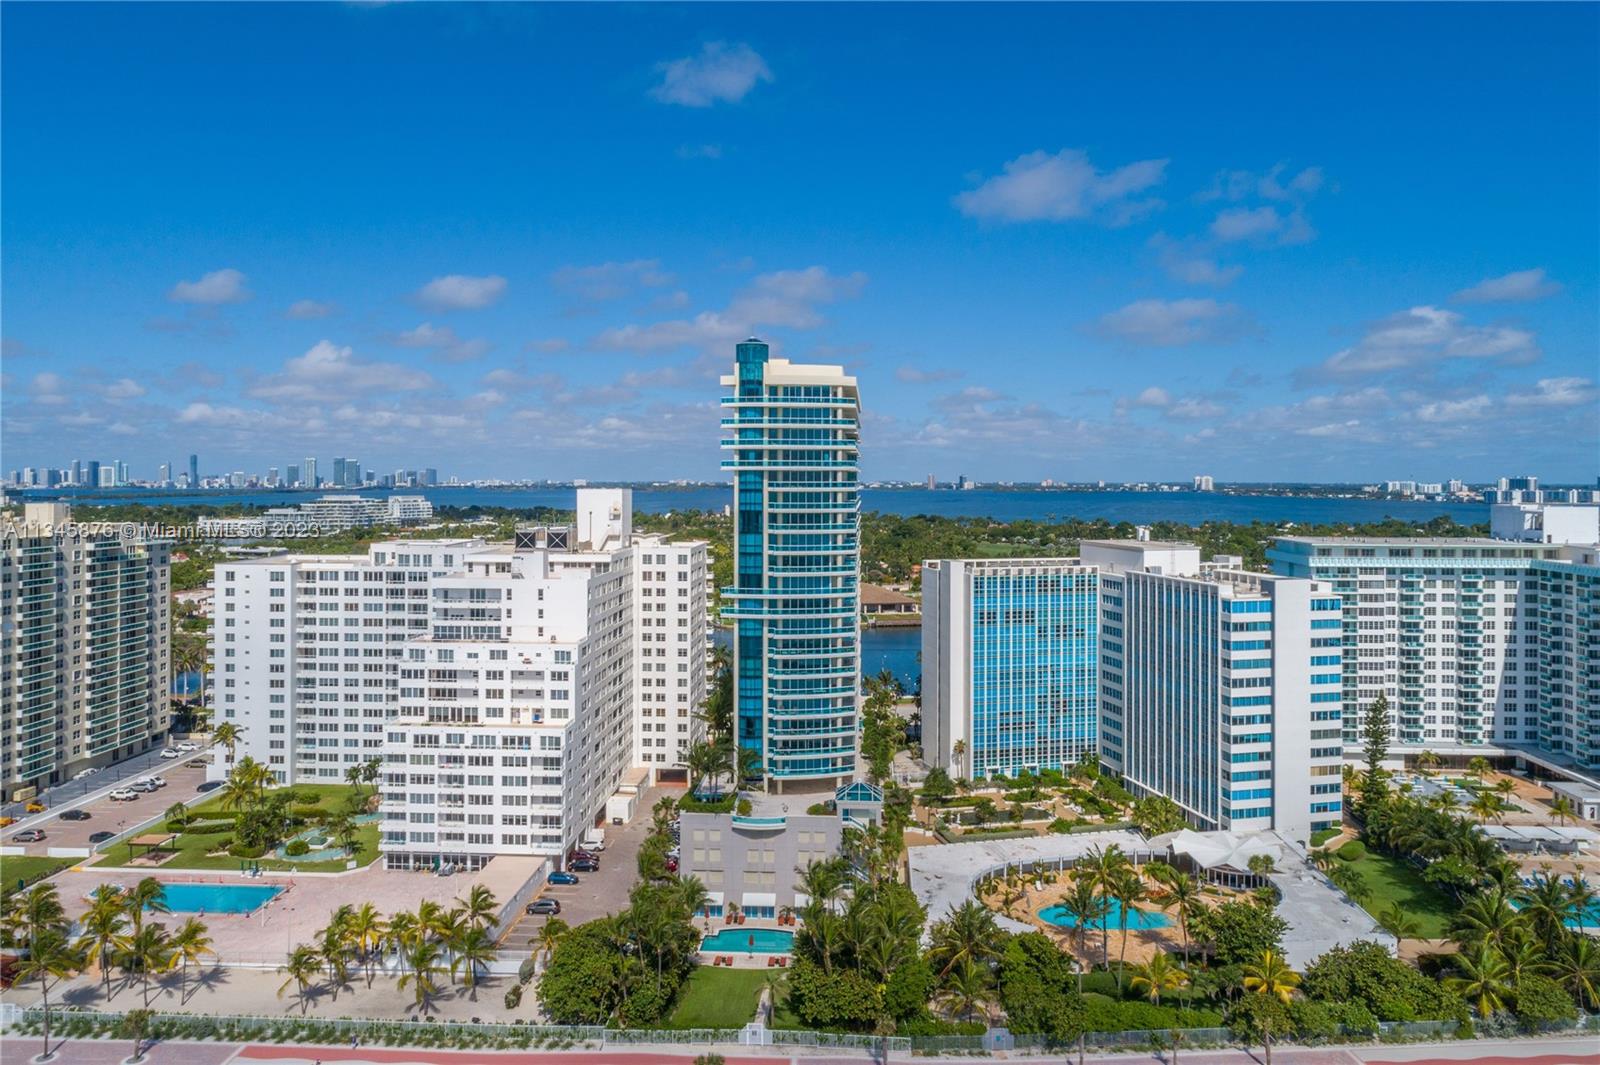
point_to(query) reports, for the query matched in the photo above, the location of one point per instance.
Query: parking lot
(64, 796)
(595, 894)
(182, 777)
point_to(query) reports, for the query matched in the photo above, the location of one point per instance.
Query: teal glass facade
(794, 434)
(1035, 655)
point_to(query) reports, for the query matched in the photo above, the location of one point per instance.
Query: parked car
(144, 786)
(170, 753)
(188, 745)
(209, 785)
(101, 837)
(157, 781)
(29, 835)
(35, 808)
(543, 906)
(80, 774)
(6, 822)
(562, 878)
(672, 865)
(124, 795)
(584, 865)
(75, 815)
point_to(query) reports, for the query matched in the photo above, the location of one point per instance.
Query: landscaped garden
(23, 870)
(1390, 881)
(719, 998)
(306, 828)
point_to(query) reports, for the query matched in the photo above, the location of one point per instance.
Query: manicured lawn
(192, 848)
(718, 998)
(1392, 880)
(28, 869)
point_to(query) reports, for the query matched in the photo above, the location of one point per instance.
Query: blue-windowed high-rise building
(793, 431)
(1010, 663)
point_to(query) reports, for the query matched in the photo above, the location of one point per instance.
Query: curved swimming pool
(749, 940)
(1137, 919)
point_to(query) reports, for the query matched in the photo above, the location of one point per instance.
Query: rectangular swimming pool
(218, 898)
(750, 941)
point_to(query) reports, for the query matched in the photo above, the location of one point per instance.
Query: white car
(157, 781)
(124, 795)
(188, 746)
(80, 774)
(170, 753)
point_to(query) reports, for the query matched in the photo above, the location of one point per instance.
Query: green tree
(1375, 734)
(968, 933)
(1482, 977)
(1156, 977)
(423, 967)
(149, 951)
(189, 944)
(135, 1025)
(103, 933)
(1239, 931)
(1270, 977)
(303, 968)
(50, 958)
(966, 988)
(1576, 966)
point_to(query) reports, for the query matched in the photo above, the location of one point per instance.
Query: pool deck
(742, 957)
(265, 936)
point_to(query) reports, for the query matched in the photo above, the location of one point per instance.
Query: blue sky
(1264, 242)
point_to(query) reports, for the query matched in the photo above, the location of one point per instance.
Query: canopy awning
(759, 898)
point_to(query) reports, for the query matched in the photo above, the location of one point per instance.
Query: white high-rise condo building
(501, 684)
(1220, 687)
(1010, 664)
(1481, 646)
(84, 651)
(793, 431)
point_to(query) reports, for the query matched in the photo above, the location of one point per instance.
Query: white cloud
(1522, 286)
(443, 341)
(308, 310)
(1455, 410)
(1184, 407)
(124, 388)
(217, 287)
(915, 375)
(1239, 185)
(1170, 323)
(720, 73)
(1190, 262)
(1556, 392)
(699, 151)
(1153, 396)
(786, 298)
(1425, 334)
(458, 292)
(328, 372)
(1055, 188)
(1262, 225)
(46, 389)
(609, 281)
(548, 345)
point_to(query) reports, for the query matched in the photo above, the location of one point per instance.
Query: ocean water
(1039, 504)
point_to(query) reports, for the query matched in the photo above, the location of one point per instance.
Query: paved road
(182, 777)
(596, 894)
(65, 796)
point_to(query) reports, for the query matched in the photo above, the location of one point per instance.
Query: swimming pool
(749, 940)
(218, 898)
(1137, 918)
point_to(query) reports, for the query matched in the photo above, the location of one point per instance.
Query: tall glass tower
(794, 433)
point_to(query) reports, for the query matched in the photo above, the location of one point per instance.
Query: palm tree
(103, 934)
(551, 934)
(1398, 923)
(50, 957)
(966, 987)
(1482, 978)
(1561, 808)
(1486, 918)
(366, 930)
(333, 944)
(1102, 868)
(148, 896)
(1426, 763)
(149, 950)
(1486, 805)
(1479, 768)
(1270, 976)
(1182, 891)
(190, 943)
(1546, 903)
(1155, 978)
(1576, 966)
(423, 968)
(470, 951)
(480, 907)
(958, 752)
(303, 966)
(1088, 909)
(177, 813)
(968, 933)
(1127, 887)
(1581, 898)
(403, 930)
(226, 735)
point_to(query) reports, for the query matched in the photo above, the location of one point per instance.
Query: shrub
(526, 971)
(513, 996)
(1352, 851)
(819, 809)
(296, 848)
(1541, 1001)
(1323, 835)
(208, 827)
(307, 813)
(240, 850)
(743, 808)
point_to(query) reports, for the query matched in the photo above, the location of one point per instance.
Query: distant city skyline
(1049, 241)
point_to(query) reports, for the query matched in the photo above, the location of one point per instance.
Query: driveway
(596, 894)
(182, 778)
(64, 796)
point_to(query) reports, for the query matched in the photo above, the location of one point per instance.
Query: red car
(672, 865)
